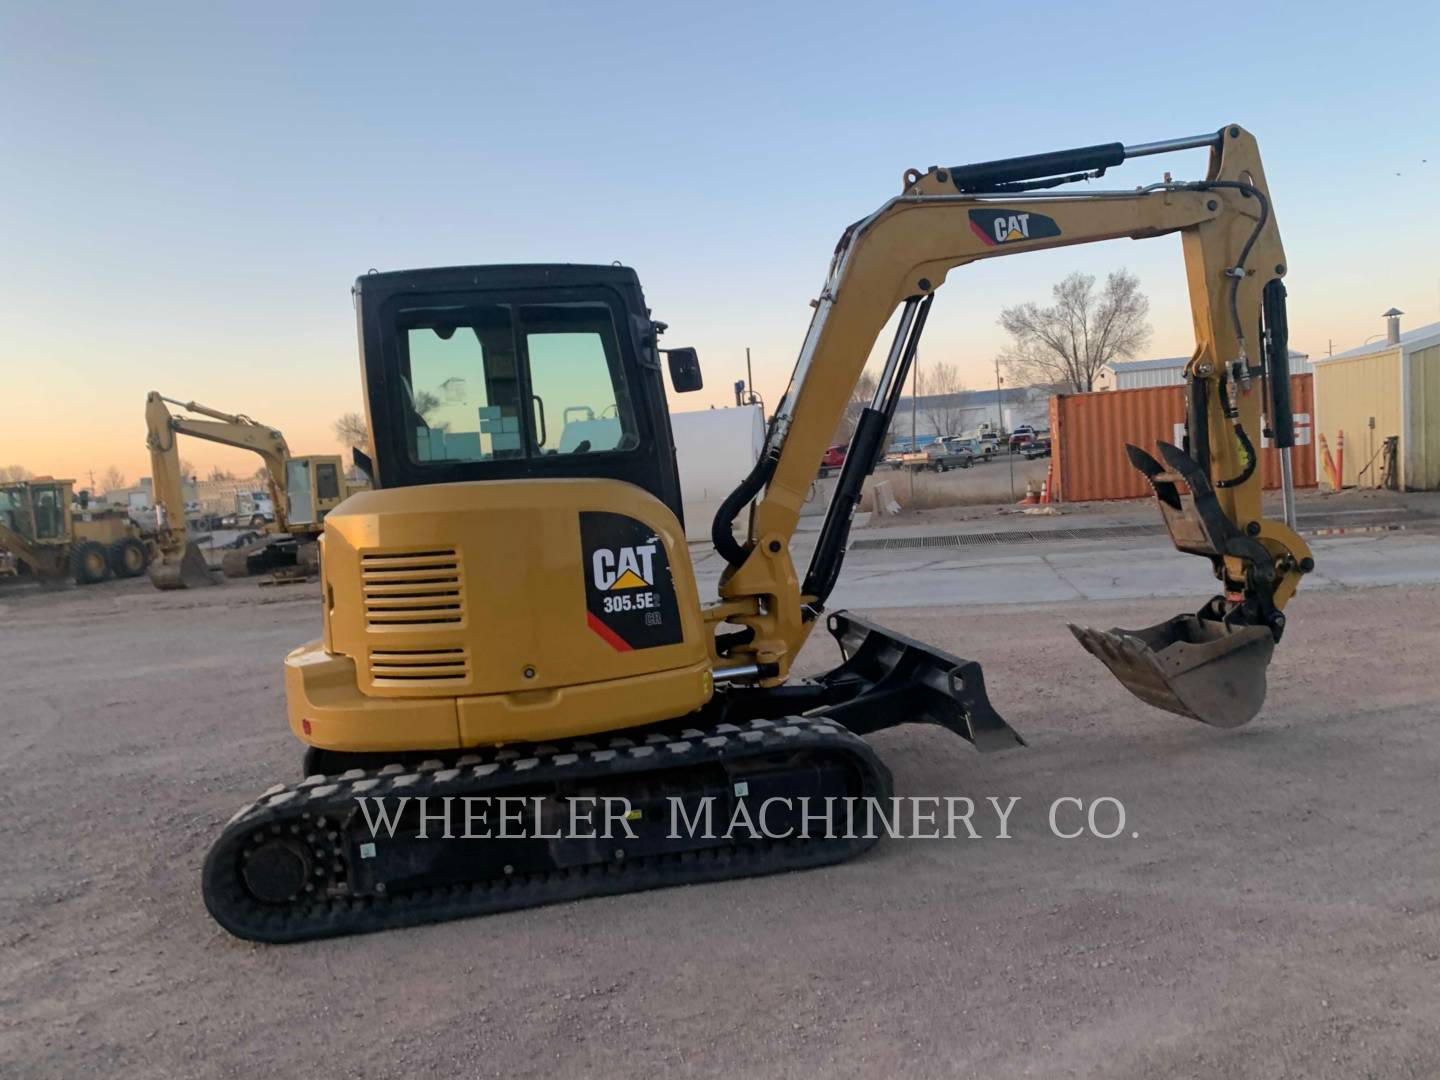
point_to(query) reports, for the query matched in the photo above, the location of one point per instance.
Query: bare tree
(217, 473)
(111, 480)
(860, 398)
(940, 389)
(1070, 342)
(351, 431)
(10, 474)
(187, 470)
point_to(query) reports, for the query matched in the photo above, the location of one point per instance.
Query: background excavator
(513, 611)
(302, 490)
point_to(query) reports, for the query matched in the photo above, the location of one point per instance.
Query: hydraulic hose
(1251, 459)
(722, 533)
(1237, 274)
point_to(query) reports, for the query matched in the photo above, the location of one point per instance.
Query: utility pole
(1000, 414)
(745, 391)
(914, 402)
(914, 423)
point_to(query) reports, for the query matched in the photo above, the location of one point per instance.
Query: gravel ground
(1275, 916)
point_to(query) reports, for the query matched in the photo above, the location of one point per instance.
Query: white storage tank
(714, 450)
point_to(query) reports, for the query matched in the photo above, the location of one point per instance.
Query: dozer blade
(191, 572)
(889, 679)
(1196, 667)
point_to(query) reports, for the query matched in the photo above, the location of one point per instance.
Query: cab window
(327, 482)
(509, 381)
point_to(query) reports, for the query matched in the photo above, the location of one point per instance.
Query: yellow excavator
(302, 490)
(512, 616)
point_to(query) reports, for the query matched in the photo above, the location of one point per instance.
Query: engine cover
(539, 608)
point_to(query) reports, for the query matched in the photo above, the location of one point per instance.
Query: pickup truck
(979, 449)
(1037, 447)
(833, 459)
(1020, 436)
(950, 453)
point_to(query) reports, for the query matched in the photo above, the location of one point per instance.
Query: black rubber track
(331, 801)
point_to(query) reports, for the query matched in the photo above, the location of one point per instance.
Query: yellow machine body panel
(485, 612)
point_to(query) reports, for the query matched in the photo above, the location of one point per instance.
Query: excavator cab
(314, 485)
(517, 372)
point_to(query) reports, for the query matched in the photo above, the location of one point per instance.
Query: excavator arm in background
(181, 565)
(1209, 665)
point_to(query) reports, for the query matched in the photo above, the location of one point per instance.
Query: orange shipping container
(1089, 433)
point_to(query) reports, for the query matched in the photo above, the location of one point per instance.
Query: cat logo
(626, 568)
(996, 227)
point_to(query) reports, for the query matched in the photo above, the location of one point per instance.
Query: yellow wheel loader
(47, 533)
(511, 627)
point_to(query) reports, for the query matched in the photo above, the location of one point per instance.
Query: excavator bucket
(1202, 666)
(1196, 667)
(191, 572)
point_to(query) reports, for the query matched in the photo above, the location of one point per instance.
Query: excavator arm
(180, 564)
(1209, 490)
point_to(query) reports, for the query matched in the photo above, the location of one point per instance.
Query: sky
(188, 191)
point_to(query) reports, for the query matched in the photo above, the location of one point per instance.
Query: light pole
(914, 412)
(1000, 425)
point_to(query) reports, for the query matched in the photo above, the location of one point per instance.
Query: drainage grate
(1019, 536)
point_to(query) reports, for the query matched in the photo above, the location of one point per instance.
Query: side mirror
(684, 370)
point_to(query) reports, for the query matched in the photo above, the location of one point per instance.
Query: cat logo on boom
(627, 568)
(999, 226)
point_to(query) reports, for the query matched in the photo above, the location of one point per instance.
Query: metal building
(1170, 371)
(1386, 389)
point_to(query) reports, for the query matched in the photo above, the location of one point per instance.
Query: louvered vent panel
(411, 666)
(412, 589)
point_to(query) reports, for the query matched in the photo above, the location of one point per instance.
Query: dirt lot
(1275, 916)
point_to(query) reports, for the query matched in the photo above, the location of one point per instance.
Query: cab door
(49, 511)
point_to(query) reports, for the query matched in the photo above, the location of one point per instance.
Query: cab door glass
(301, 508)
(49, 514)
(461, 392)
(579, 403)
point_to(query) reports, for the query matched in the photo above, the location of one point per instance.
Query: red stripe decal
(614, 640)
(982, 233)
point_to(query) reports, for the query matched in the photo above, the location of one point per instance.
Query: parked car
(950, 453)
(833, 459)
(989, 444)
